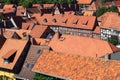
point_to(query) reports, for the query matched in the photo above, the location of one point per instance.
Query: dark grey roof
(33, 54)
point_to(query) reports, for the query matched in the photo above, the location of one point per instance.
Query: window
(27, 65)
(39, 51)
(6, 61)
(31, 66)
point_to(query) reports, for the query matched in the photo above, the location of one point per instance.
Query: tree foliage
(103, 1)
(102, 10)
(42, 77)
(114, 40)
(38, 76)
(28, 3)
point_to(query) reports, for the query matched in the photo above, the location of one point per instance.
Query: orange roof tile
(97, 30)
(48, 5)
(9, 54)
(87, 46)
(27, 26)
(69, 23)
(6, 6)
(8, 10)
(20, 11)
(93, 6)
(117, 3)
(19, 45)
(9, 32)
(35, 5)
(76, 67)
(110, 20)
(41, 41)
(38, 31)
(87, 13)
(84, 1)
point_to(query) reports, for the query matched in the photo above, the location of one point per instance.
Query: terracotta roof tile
(38, 31)
(97, 30)
(110, 20)
(76, 67)
(93, 6)
(8, 6)
(41, 41)
(48, 5)
(35, 5)
(9, 44)
(117, 3)
(8, 10)
(20, 11)
(31, 59)
(84, 1)
(27, 26)
(87, 46)
(9, 54)
(10, 32)
(47, 19)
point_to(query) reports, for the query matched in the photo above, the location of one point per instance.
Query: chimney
(58, 35)
(32, 40)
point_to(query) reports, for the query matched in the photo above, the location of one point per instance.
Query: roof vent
(27, 65)
(62, 38)
(85, 23)
(65, 21)
(45, 20)
(75, 22)
(54, 21)
(38, 51)
(24, 34)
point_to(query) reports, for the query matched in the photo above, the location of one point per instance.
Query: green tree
(26, 3)
(1, 16)
(101, 11)
(113, 9)
(103, 1)
(114, 40)
(38, 76)
(42, 77)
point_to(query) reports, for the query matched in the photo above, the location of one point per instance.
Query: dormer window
(9, 56)
(85, 23)
(75, 22)
(6, 61)
(45, 20)
(65, 21)
(54, 21)
(24, 34)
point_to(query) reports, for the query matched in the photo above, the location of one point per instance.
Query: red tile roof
(27, 26)
(110, 20)
(81, 45)
(93, 6)
(69, 23)
(38, 31)
(97, 30)
(117, 3)
(8, 6)
(76, 67)
(20, 11)
(48, 5)
(84, 1)
(9, 54)
(10, 32)
(10, 44)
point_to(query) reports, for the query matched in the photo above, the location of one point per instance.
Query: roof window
(38, 51)
(54, 21)
(45, 20)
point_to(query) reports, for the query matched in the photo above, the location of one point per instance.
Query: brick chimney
(58, 35)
